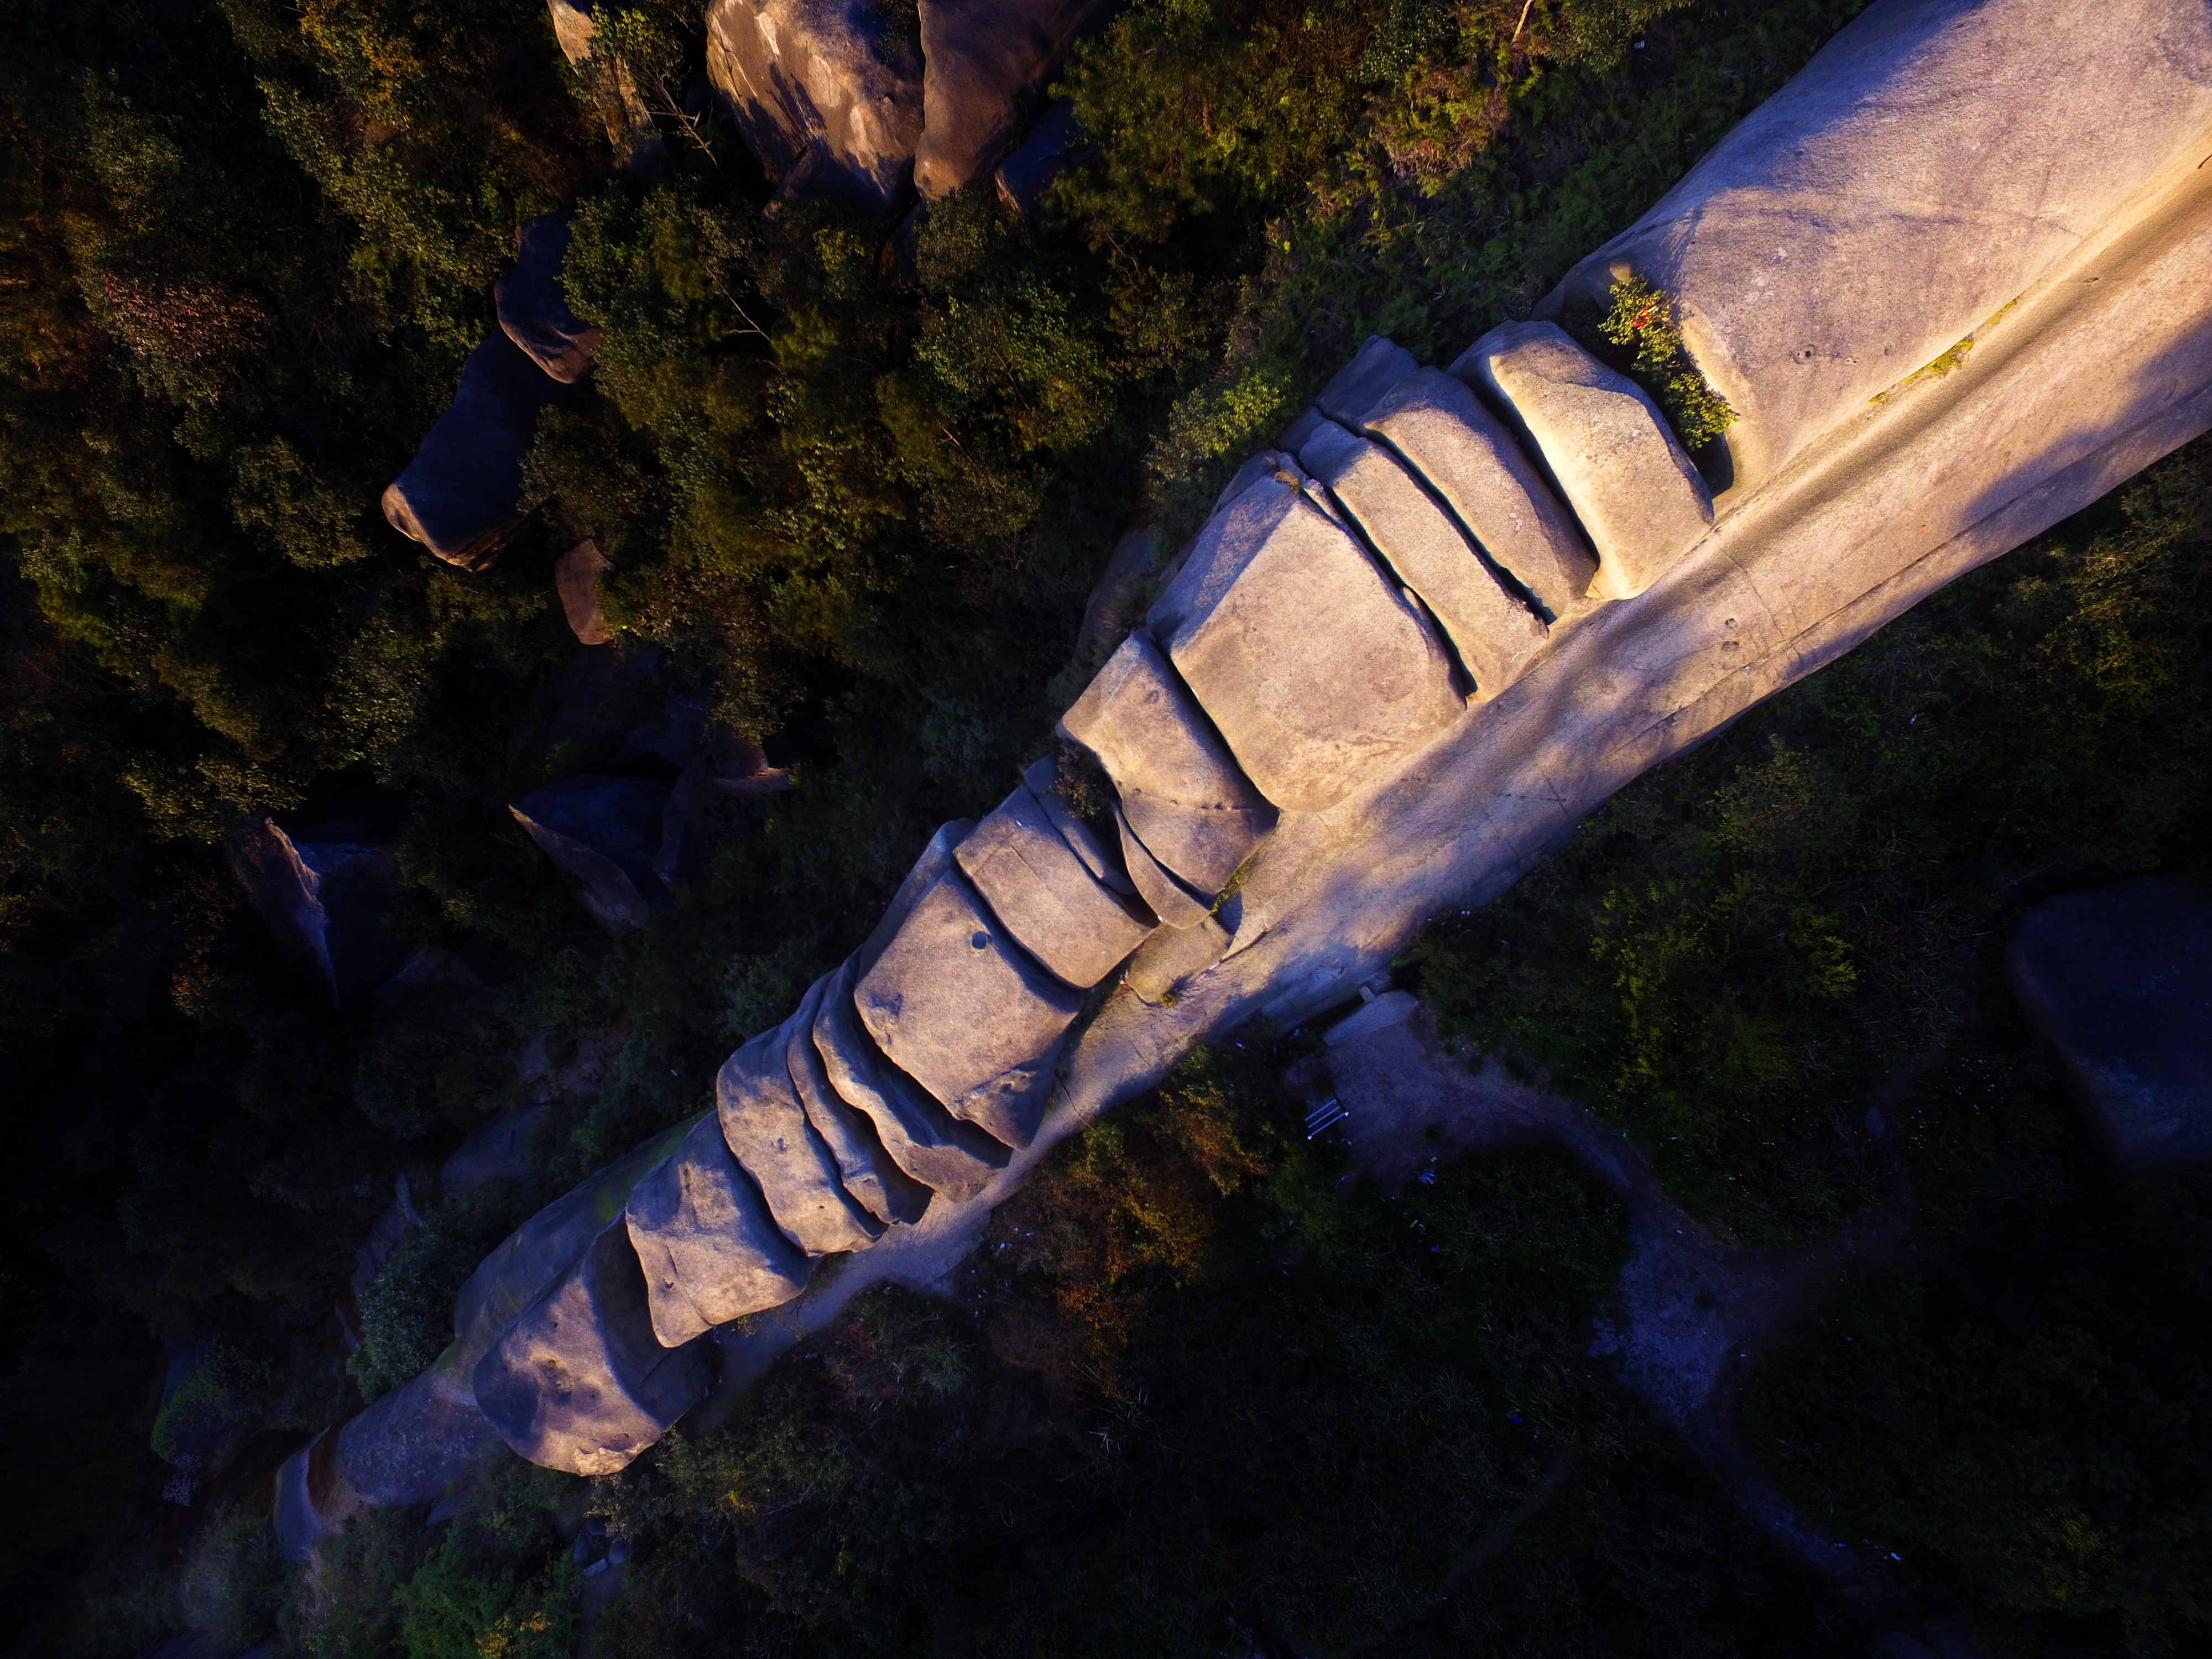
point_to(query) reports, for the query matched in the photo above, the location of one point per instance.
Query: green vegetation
(1641, 319)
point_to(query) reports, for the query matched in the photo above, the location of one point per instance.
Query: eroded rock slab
(605, 833)
(1182, 792)
(984, 63)
(767, 1130)
(1055, 909)
(1467, 457)
(1314, 669)
(2118, 980)
(1494, 633)
(961, 1009)
(533, 306)
(577, 1383)
(1354, 389)
(709, 1249)
(883, 1189)
(1607, 444)
(1175, 904)
(1043, 779)
(1054, 144)
(576, 579)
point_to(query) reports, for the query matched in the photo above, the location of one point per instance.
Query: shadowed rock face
(984, 63)
(323, 893)
(606, 834)
(533, 307)
(2118, 981)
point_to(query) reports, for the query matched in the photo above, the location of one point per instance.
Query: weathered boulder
(1376, 367)
(605, 833)
(461, 495)
(323, 893)
(533, 306)
(1117, 602)
(1315, 670)
(1181, 792)
(935, 1148)
(408, 1446)
(709, 1249)
(767, 1130)
(1447, 435)
(883, 1189)
(629, 123)
(579, 1382)
(1041, 893)
(1043, 779)
(1606, 442)
(959, 1007)
(1935, 160)
(1056, 143)
(576, 579)
(1175, 904)
(1495, 633)
(2118, 980)
(984, 62)
(828, 94)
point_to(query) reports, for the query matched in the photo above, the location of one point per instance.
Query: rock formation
(1300, 773)
(323, 891)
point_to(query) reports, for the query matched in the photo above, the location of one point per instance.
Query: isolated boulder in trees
(985, 61)
(605, 833)
(576, 579)
(323, 893)
(629, 123)
(579, 1382)
(1316, 671)
(533, 307)
(459, 496)
(1055, 908)
(828, 94)
(2118, 980)
(1056, 143)
(1606, 442)
(709, 1249)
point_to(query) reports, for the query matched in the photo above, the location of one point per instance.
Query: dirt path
(1689, 1318)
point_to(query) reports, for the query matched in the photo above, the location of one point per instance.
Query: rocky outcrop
(630, 124)
(533, 307)
(323, 895)
(1050, 898)
(710, 1250)
(576, 581)
(984, 63)
(764, 1123)
(606, 835)
(1054, 144)
(2117, 981)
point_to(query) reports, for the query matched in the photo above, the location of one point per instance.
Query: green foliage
(407, 1309)
(1641, 320)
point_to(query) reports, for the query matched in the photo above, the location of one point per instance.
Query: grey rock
(461, 496)
(324, 893)
(629, 123)
(767, 1130)
(919, 1135)
(312, 1501)
(959, 1007)
(1054, 144)
(709, 1249)
(1183, 794)
(828, 94)
(1269, 463)
(1607, 445)
(1041, 893)
(605, 833)
(576, 579)
(1175, 904)
(1373, 1015)
(1104, 868)
(1173, 956)
(1934, 160)
(1495, 633)
(883, 1189)
(2118, 980)
(1117, 602)
(577, 1383)
(1448, 436)
(1316, 670)
(533, 306)
(498, 1149)
(984, 63)
(1354, 389)
(409, 1446)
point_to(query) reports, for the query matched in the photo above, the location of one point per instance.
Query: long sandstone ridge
(1956, 278)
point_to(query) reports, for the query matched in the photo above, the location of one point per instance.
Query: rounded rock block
(709, 1249)
(871, 1176)
(984, 62)
(1182, 792)
(1040, 890)
(1175, 904)
(579, 1382)
(1375, 367)
(765, 1124)
(959, 1007)
(533, 306)
(1044, 780)
(1315, 670)
(1606, 442)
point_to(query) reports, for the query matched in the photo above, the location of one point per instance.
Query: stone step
(885, 1191)
(1184, 795)
(768, 1132)
(1495, 633)
(1044, 894)
(1607, 445)
(710, 1250)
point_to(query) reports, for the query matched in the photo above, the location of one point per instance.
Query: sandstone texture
(576, 579)
(1041, 892)
(1316, 670)
(828, 94)
(1375, 367)
(1167, 898)
(1931, 162)
(1043, 779)
(461, 495)
(1607, 444)
(1494, 633)
(961, 1008)
(984, 63)
(577, 1383)
(1183, 793)
(2117, 981)
(1464, 452)
(605, 833)
(709, 1249)
(881, 1188)
(766, 1126)
(533, 307)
